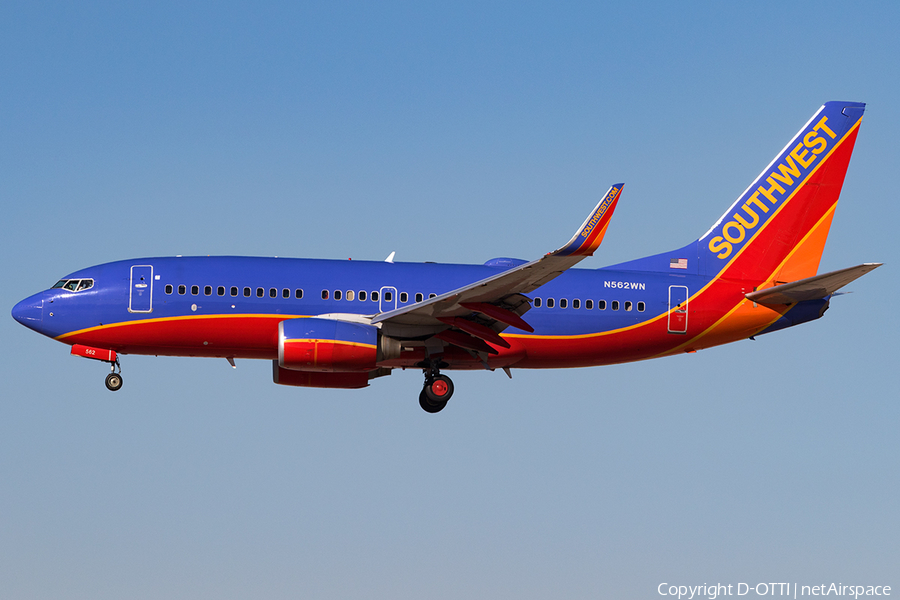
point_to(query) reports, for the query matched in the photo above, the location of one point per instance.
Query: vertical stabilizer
(776, 230)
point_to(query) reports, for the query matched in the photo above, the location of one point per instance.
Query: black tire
(113, 382)
(439, 389)
(429, 406)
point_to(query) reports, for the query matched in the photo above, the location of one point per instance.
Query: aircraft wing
(496, 302)
(811, 288)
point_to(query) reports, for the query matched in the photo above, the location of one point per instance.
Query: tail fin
(776, 230)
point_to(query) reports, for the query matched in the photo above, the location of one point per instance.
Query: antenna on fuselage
(390, 257)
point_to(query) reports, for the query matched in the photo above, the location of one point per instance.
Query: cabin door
(678, 308)
(140, 295)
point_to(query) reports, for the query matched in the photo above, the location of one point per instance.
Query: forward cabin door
(140, 295)
(678, 308)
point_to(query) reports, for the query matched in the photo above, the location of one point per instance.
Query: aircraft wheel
(113, 382)
(429, 406)
(438, 389)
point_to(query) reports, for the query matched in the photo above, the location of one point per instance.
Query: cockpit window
(74, 285)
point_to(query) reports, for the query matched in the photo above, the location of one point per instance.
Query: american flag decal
(678, 263)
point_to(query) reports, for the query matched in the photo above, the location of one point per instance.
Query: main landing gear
(437, 390)
(114, 380)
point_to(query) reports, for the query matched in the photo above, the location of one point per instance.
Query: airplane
(341, 324)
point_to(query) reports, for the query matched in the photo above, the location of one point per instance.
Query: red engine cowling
(329, 346)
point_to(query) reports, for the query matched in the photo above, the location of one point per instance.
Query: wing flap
(499, 313)
(475, 329)
(464, 340)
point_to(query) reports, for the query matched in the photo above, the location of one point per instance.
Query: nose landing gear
(114, 380)
(437, 390)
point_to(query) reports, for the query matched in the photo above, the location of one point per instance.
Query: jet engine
(331, 346)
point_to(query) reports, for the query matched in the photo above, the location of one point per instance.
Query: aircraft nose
(30, 311)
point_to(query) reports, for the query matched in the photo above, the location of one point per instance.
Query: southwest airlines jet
(340, 324)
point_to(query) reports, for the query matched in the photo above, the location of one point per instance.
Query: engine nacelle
(330, 346)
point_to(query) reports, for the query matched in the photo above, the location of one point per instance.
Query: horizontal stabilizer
(811, 288)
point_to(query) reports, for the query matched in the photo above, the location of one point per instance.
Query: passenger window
(169, 288)
(298, 293)
(432, 296)
(615, 305)
(207, 291)
(563, 303)
(195, 290)
(550, 302)
(404, 297)
(362, 295)
(576, 303)
(627, 305)
(537, 302)
(374, 296)
(246, 292)
(601, 304)
(388, 296)
(220, 291)
(234, 290)
(181, 290)
(71, 285)
(260, 292)
(337, 294)
(324, 294)
(285, 293)
(350, 295)
(641, 306)
(85, 284)
(273, 293)
(419, 297)
(589, 305)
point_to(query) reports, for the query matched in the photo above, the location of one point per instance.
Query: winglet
(590, 234)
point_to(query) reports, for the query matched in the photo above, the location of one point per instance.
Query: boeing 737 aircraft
(340, 324)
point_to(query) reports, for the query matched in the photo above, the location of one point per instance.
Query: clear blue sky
(449, 132)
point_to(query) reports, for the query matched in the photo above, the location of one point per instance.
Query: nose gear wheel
(114, 380)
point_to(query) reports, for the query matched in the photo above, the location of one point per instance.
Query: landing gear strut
(437, 390)
(114, 380)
